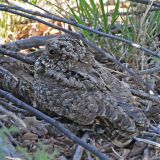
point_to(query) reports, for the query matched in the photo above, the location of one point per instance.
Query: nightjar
(69, 82)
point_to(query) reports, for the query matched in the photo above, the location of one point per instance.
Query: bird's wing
(123, 96)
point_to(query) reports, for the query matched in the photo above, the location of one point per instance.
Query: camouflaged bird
(71, 83)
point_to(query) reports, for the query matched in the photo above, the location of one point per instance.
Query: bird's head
(67, 49)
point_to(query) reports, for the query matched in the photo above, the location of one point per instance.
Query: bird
(71, 83)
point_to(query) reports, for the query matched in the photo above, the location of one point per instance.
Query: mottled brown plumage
(15, 79)
(71, 83)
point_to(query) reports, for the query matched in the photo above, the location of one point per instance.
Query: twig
(37, 6)
(74, 23)
(4, 71)
(11, 107)
(10, 114)
(147, 141)
(155, 129)
(117, 154)
(146, 154)
(16, 55)
(146, 13)
(30, 42)
(118, 72)
(12, 158)
(53, 122)
(7, 59)
(149, 71)
(150, 134)
(79, 150)
(142, 94)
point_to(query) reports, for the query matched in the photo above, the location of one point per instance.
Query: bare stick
(150, 71)
(53, 122)
(4, 71)
(37, 6)
(30, 42)
(12, 108)
(142, 94)
(16, 55)
(146, 154)
(147, 141)
(117, 154)
(13, 116)
(79, 150)
(147, 71)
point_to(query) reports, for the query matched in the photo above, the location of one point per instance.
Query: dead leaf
(29, 136)
(35, 126)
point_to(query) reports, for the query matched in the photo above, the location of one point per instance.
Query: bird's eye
(51, 51)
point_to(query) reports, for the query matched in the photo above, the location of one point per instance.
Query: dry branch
(30, 42)
(79, 150)
(16, 55)
(149, 71)
(142, 94)
(13, 116)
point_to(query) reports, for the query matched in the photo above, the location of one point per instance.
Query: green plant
(35, 2)
(5, 146)
(40, 154)
(10, 24)
(142, 30)
(139, 29)
(94, 15)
